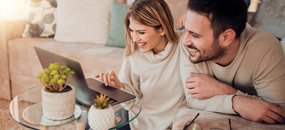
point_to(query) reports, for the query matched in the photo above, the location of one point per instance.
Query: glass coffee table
(26, 109)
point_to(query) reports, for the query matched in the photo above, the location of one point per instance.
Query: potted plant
(58, 96)
(101, 115)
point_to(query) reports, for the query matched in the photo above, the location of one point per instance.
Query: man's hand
(204, 86)
(258, 110)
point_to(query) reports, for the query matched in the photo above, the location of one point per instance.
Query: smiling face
(147, 37)
(200, 39)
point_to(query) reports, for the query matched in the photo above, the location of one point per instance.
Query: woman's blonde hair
(153, 13)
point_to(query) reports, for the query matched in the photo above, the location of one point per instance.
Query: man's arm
(203, 86)
(219, 103)
(268, 79)
(268, 85)
(258, 110)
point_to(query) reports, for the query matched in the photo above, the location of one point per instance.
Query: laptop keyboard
(94, 93)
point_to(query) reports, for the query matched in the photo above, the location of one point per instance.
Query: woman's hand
(181, 19)
(110, 79)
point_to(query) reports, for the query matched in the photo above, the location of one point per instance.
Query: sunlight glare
(11, 8)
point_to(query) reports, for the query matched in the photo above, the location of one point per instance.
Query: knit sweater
(155, 79)
(258, 69)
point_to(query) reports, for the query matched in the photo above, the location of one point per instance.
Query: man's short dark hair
(223, 14)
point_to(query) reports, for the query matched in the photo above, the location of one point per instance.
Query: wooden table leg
(43, 127)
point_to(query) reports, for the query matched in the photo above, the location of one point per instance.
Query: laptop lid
(83, 95)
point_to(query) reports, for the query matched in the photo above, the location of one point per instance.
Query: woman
(150, 68)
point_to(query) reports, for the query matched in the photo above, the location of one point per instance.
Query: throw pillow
(41, 21)
(117, 32)
(84, 21)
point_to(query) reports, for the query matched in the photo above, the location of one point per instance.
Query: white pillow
(85, 21)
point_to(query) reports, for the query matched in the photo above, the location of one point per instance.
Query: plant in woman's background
(54, 78)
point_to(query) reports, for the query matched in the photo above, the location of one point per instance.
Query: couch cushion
(270, 16)
(117, 32)
(24, 62)
(85, 21)
(177, 7)
(41, 19)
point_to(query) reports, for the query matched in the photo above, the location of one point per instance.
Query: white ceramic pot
(58, 106)
(101, 119)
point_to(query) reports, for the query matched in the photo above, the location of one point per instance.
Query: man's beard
(214, 53)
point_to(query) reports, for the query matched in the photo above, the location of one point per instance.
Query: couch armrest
(10, 28)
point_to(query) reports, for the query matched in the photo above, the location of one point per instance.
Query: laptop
(86, 89)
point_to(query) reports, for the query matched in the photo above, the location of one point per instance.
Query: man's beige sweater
(258, 69)
(155, 79)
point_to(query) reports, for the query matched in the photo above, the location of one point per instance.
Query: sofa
(20, 65)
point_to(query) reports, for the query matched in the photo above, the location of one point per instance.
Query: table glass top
(26, 109)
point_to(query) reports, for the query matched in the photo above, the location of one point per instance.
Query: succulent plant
(54, 78)
(101, 102)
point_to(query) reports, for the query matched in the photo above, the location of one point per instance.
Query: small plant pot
(58, 106)
(101, 119)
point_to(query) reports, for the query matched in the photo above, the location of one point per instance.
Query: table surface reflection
(20, 109)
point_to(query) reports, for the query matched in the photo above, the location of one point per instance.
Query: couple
(220, 64)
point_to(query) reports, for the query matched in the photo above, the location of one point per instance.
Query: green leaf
(57, 67)
(66, 70)
(45, 77)
(48, 18)
(63, 76)
(56, 76)
(52, 81)
(54, 72)
(71, 72)
(52, 3)
(62, 68)
(60, 81)
(54, 28)
(44, 82)
(101, 101)
(41, 24)
(34, 30)
(46, 71)
(52, 67)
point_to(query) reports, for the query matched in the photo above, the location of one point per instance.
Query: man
(234, 68)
